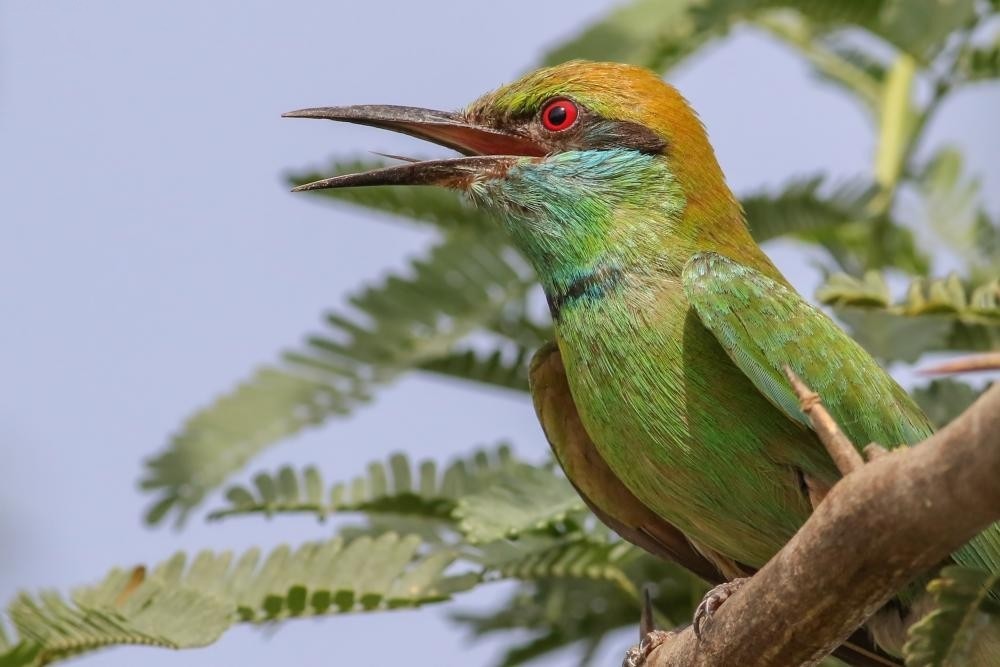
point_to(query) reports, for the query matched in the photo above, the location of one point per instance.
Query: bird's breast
(678, 422)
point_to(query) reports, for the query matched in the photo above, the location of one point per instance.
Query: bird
(663, 395)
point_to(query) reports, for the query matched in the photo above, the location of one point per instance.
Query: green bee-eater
(663, 395)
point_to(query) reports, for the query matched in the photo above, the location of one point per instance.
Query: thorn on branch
(844, 454)
(649, 637)
(646, 621)
(873, 450)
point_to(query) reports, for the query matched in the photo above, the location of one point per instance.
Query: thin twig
(977, 362)
(873, 450)
(844, 454)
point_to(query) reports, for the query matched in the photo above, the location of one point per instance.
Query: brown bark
(883, 524)
(989, 361)
(844, 454)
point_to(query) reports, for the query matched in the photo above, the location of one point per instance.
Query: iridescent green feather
(673, 326)
(763, 325)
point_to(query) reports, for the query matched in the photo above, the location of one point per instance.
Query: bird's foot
(713, 600)
(636, 656)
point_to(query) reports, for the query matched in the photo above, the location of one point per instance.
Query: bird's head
(593, 165)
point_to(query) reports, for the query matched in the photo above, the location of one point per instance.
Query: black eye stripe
(588, 131)
(624, 134)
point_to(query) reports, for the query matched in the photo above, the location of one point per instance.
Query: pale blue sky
(150, 254)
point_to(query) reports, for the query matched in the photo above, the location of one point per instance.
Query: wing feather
(764, 325)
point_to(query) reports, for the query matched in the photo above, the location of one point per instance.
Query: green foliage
(823, 35)
(558, 612)
(943, 400)
(528, 499)
(941, 314)
(858, 71)
(952, 209)
(494, 369)
(916, 27)
(838, 219)
(222, 437)
(487, 498)
(967, 608)
(394, 487)
(651, 33)
(464, 311)
(981, 64)
(658, 35)
(923, 297)
(800, 209)
(920, 27)
(582, 558)
(464, 285)
(183, 604)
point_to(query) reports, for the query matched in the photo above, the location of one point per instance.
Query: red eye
(559, 115)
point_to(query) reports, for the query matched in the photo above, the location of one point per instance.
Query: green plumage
(665, 400)
(674, 329)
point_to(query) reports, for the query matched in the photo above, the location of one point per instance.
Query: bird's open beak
(488, 152)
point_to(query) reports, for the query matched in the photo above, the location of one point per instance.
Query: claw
(649, 636)
(713, 600)
(636, 656)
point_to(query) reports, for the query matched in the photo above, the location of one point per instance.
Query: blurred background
(151, 255)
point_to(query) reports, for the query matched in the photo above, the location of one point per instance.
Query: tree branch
(880, 526)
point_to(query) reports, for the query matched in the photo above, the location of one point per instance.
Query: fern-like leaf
(650, 33)
(836, 219)
(394, 487)
(951, 208)
(920, 27)
(581, 558)
(967, 604)
(560, 611)
(221, 438)
(529, 499)
(981, 64)
(938, 314)
(864, 70)
(406, 323)
(489, 497)
(183, 604)
(800, 208)
(917, 27)
(495, 368)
